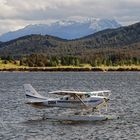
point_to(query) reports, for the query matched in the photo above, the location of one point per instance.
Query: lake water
(20, 121)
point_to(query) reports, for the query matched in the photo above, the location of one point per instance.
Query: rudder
(31, 92)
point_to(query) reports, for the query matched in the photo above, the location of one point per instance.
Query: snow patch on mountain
(66, 29)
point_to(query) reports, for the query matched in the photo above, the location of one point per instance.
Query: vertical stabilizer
(31, 92)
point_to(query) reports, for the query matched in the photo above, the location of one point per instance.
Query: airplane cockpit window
(61, 98)
(64, 98)
(87, 95)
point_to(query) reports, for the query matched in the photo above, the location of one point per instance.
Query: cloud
(18, 13)
(10, 25)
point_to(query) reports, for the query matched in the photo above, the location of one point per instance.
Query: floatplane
(87, 103)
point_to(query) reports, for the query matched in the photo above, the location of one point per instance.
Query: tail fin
(30, 92)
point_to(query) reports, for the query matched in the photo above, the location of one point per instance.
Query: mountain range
(124, 40)
(66, 29)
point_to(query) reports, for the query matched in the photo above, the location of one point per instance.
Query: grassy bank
(10, 65)
(17, 67)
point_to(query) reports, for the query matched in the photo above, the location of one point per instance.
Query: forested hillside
(108, 47)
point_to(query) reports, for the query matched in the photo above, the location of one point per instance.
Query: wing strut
(80, 100)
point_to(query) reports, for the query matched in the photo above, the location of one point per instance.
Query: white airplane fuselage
(63, 103)
(69, 99)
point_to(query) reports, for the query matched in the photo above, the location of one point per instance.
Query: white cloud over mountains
(15, 14)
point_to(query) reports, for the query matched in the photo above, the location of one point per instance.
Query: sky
(16, 14)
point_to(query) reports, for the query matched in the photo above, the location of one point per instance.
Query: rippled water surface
(20, 121)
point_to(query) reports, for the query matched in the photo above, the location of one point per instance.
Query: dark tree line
(94, 59)
(41, 60)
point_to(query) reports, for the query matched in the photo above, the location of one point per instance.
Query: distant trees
(69, 60)
(35, 60)
(95, 60)
(40, 60)
(8, 59)
(54, 61)
(114, 60)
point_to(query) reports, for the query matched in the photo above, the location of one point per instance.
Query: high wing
(105, 93)
(101, 91)
(80, 93)
(71, 93)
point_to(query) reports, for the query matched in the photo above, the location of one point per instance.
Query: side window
(87, 95)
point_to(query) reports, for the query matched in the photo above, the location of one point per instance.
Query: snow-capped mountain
(66, 29)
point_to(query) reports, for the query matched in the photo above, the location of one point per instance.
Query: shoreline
(69, 69)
